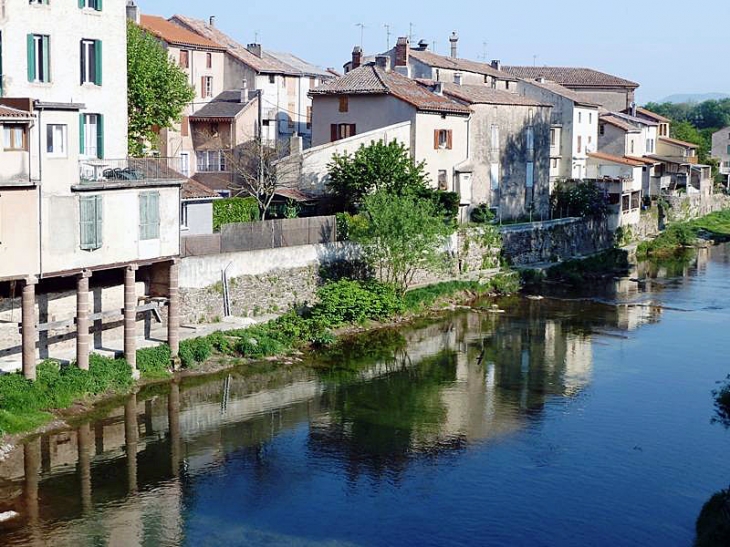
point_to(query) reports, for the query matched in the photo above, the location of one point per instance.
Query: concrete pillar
(30, 328)
(131, 438)
(173, 311)
(173, 418)
(82, 320)
(84, 466)
(130, 316)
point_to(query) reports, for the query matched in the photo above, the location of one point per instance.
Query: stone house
(721, 150)
(509, 150)
(77, 214)
(283, 79)
(611, 92)
(573, 126)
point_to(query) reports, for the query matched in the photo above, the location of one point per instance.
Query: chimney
(457, 78)
(244, 92)
(402, 52)
(540, 80)
(633, 109)
(423, 45)
(255, 49)
(381, 61)
(132, 11)
(212, 20)
(356, 57)
(438, 88)
(454, 39)
(497, 64)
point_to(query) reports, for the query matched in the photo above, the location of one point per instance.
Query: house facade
(621, 180)
(372, 97)
(573, 127)
(94, 219)
(721, 150)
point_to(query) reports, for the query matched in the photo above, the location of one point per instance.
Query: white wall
(441, 159)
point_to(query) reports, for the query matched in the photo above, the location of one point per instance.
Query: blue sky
(668, 46)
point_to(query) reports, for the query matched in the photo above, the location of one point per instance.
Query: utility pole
(362, 31)
(387, 35)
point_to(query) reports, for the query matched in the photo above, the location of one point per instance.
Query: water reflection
(371, 409)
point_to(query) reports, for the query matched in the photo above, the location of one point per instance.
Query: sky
(667, 46)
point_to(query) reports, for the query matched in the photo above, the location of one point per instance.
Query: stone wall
(540, 242)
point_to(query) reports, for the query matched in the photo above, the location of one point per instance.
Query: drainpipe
(40, 194)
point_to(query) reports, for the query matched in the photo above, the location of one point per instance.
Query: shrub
(195, 351)
(349, 301)
(482, 214)
(154, 363)
(232, 210)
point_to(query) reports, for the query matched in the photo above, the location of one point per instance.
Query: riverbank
(30, 408)
(682, 235)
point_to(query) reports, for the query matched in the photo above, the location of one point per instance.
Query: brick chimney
(454, 39)
(402, 52)
(255, 49)
(132, 11)
(356, 57)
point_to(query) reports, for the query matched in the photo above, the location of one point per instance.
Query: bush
(575, 198)
(482, 214)
(348, 301)
(154, 363)
(195, 351)
(232, 210)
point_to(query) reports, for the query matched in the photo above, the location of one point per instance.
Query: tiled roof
(373, 80)
(616, 159)
(441, 61)
(482, 94)
(570, 76)
(678, 142)
(647, 161)
(562, 91)
(618, 122)
(175, 34)
(192, 189)
(225, 105)
(268, 63)
(8, 112)
(643, 112)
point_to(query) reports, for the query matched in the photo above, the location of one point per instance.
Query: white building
(721, 149)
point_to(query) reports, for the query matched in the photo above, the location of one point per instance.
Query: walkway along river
(575, 421)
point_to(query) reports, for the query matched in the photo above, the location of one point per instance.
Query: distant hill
(694, 97)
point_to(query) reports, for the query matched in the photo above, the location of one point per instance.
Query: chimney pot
(212, 20)
(454, 39)
(423, 45)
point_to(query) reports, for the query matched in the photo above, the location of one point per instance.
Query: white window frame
(88, 48)
(211, 161)
(443, 139)
(57, 140)
(11, 132)
(91, 135)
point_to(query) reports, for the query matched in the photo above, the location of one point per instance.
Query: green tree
(401, 234)
(375, 167)
(158, 89)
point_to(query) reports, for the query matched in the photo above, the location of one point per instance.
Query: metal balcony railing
(130, 169)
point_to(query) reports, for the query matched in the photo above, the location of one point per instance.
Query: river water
(563, 421)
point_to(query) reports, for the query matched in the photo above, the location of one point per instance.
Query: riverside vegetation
(681, 235)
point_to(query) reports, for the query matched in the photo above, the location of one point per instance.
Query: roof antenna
(362, 31)
(387, 33)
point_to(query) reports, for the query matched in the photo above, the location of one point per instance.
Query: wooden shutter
(154, 212)
(333, 132)
(31, 57)
(82, 64)
(435, 139)
(143, 216)
(97, 61)
(202, 86)
(82, 133)
(99, 218)
(46, 53)
(100, 136)
(353, 130)
(91, 218)
(449, 139)
(82, 3)
(185, 126)
(99, 4)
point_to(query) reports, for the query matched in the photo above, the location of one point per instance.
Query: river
(572, 421)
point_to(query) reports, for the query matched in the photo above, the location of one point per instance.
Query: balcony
(130, 171)
(615, 185)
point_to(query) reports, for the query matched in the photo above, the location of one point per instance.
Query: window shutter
(185, 126)
(100, 136)
(82, 133)
(435, 139)
(98, 5)
(45, 42)
(202, 86)
(99, 221)
(87, 219)
(82, 58)
(449, 139)
(31, 58)
(154, 209)
(97, 59)
(353, 130)
(333, 132)
(82, 3)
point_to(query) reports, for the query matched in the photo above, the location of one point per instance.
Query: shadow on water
(376, 407)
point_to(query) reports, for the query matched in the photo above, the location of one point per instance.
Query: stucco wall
(441, 159)
(18, 232)
(615, 101)
(199, 217)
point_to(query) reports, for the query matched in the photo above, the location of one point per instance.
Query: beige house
(509, 147)
(372, 97)
(78, 216)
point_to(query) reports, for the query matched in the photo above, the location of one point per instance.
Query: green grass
(579, 271)
(684, 234)
(426, 297)
(154, 363)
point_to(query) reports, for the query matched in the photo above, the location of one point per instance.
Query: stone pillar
(131, 438)
(173, 419)
(84, 466)
(173, 311)
(130, 316)
(30, 328)
(82, 320)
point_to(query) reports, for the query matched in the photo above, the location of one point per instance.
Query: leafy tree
(402, 233)
(158, 89)
(378, 166)
(578, 199)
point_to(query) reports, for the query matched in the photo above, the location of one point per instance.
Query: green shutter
(99, 221)
(149, 215)
(98, 5)
(100, 136)
(97, 58)
(31, 58)
(82, 3)
(87, 220)
(46, 46)
(154, 207)
(143, 217)
(82, 131)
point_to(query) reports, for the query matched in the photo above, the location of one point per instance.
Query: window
(211, 161)
(149, 215)
(728, 148)
(39, 2)
(14, 137)
(580, 144)
(206, 86)
(91, 222)
(555, 163)
(632, 146)
(272, 79)
(184, 60)
(443, 180)
(91, 62)
(442, 139)
(552, 137)
(209, 60)
(602, 129)
(91, 135)
(530, 139)
(185, 163)
(344, 104)
(342, 131)
(494, 175)
(39, 61)
(529, 175)
(580, 117)
(184, 215)
(309, 117)
(91, 4)
(56, 140)
(495, 137)
(590, 117)
(506, 85)
(649, 146)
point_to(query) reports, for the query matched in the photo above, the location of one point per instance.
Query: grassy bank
(26, 406)
(685, 234)
(574, 273)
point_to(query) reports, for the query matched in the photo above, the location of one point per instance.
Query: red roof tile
(465, 65)
(570, 76)
(192, 189)
(8, 112)
(175, 34)
(678, 142)
(482, 94)
(616, 159)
